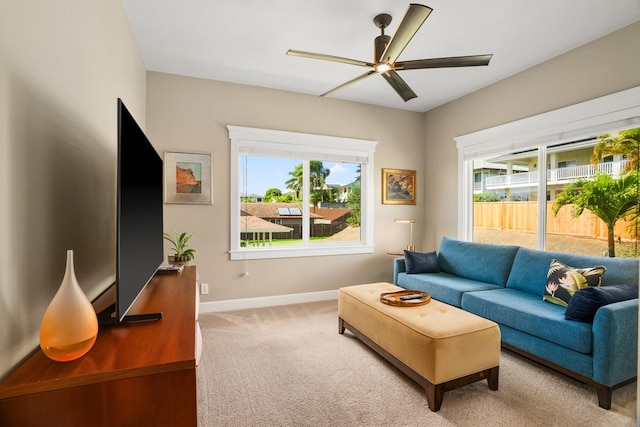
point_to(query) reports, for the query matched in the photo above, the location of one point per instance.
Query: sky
(263, 173)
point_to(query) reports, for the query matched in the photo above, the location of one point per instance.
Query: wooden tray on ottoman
(393, 298)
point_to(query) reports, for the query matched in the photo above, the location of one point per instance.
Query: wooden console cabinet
(136, 374)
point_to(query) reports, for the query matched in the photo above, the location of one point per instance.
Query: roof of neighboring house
(253, 224)
(274, 210)
(330, 214)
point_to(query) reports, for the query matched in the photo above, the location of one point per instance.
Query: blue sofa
(506, 284)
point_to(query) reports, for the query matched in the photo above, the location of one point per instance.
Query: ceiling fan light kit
(387, 49)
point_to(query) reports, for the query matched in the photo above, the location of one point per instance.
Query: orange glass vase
(69, 327)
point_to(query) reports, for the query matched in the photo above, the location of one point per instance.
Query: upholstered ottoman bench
(439, 346)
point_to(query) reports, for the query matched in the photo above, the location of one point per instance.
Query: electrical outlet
(204, 288)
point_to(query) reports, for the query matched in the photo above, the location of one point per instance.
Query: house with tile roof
(323, 221)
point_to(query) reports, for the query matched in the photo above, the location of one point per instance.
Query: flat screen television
(139, 218)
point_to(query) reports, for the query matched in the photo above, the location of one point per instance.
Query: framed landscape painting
(187, 177)
(398, 187)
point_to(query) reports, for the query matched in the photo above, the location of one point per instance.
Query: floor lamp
(410, 247)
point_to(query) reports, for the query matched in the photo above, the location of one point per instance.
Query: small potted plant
(182, 254)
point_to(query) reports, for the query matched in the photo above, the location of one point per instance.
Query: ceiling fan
(388, 49)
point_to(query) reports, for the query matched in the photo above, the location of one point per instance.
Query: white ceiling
(245, 41)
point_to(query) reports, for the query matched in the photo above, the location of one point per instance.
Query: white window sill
(295, 252)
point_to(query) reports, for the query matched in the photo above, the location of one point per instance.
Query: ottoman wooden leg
(435, 394)
(340, 326)
(492, 378)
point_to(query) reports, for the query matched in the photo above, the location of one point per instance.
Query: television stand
(135, 374)
(108, 317)
(131, 318)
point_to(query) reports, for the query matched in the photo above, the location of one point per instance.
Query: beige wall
(604, 66)
(191, 114)
(62, 66)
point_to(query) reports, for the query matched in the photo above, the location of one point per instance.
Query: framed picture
(398, 187)
(187, 178)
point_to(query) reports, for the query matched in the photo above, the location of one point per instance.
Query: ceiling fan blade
(413, 19)
(454, 61)
(324, 57)
(361, 77)
(399, 85)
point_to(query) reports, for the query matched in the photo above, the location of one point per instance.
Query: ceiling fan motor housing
(381, 43)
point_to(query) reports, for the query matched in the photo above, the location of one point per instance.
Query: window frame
(275, 143)
(598, 116)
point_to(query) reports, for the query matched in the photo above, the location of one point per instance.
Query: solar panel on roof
(289, 211)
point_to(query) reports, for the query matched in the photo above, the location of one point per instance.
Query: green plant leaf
(179, 242)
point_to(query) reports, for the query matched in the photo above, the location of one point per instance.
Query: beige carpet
(288, 366)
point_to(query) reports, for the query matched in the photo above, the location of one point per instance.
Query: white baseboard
(241, 304)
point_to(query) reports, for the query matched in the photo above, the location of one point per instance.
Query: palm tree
(608, 198)
(626, 142)
(317, 176)
(295, 182)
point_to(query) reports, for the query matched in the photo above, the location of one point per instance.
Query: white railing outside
(514, 180)
(554, 176)
(494, 181)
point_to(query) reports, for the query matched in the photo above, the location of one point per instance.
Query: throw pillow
(421, 262)
(587, 301)
(563, 281)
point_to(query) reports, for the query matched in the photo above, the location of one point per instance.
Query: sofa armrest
(615, 342)
(398, 267)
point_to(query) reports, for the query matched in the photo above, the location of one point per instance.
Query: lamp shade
(405, 221)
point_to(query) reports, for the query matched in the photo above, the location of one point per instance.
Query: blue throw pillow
(586, 301)
(421, 262)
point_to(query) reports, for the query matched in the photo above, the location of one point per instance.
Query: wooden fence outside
(523, 216)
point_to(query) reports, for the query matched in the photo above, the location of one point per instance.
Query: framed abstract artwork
(187, 178)
(398, 187)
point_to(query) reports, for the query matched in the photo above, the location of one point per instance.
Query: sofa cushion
(421, 262)
(562, 356)
(530, 314)
(477, 261)
(530, 268)
(585, 302)
(443, 287)
(563, 281)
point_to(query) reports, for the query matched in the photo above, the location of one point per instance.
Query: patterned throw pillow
(563, 281)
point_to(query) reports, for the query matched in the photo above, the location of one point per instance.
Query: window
(567, 164)
(506, 210)
(295, 194)
(515, 219)
(558, 139)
